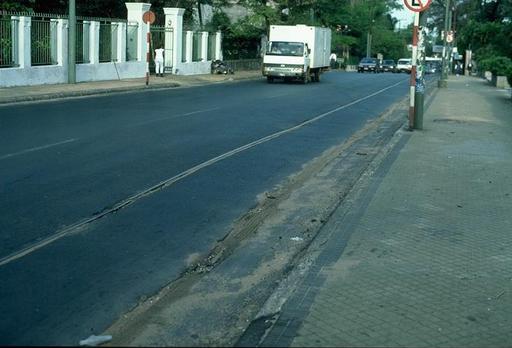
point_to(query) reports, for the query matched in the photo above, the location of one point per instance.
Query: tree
(484, 26)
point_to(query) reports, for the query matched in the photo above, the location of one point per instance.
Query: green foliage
(485, 27)
(8, 5)
(499, 66)
(349, 20)
(509, 75)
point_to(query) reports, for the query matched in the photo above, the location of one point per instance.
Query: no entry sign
(417, 5)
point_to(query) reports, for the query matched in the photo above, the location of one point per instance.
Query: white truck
(297, 52)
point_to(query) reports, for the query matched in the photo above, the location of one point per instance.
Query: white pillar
(135, 12)
(121, 42)
(204, 46)
(174, 20)
(94, 42)
(218, 46)
(24, 56)
(62, 42)
(190, 42)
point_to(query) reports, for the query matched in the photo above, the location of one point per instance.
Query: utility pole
(443, 82)
(420, 77)
(72, 42)
(417, 83)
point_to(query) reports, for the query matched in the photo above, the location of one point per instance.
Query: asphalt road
(105, 200)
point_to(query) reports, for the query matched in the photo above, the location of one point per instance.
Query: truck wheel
(270, 79)
(306, 77)
(316, 77)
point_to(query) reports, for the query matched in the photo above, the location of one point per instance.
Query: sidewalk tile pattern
(429, 262)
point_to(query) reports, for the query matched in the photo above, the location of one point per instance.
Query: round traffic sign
(417, 5)
(149, 17)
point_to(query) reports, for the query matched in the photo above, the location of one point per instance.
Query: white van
(404, 65)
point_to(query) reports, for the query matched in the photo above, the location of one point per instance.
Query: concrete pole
(72, 43)
(420, 82)
(412, 83)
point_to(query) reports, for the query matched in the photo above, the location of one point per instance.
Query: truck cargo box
(318, 40)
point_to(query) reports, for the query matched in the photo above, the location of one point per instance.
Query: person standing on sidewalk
(159, 61)
(333, 59)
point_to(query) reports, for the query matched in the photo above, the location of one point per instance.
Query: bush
(499, 66)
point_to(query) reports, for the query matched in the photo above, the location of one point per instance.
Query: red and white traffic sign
(417, 5)
(149, 17)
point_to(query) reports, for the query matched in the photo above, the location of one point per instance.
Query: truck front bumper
(287, 71)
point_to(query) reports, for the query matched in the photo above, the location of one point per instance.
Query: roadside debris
(93, 340)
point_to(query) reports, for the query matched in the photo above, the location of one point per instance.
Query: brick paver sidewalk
(427, 261)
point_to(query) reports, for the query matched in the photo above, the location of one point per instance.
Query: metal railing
(43, 36)
(184, 47)
(211, 46)
(59, 16)
(114, 38)
(82, 43)
(244, 64)
(105, 51)
(196, 46)
(132, 30)
(8, 42)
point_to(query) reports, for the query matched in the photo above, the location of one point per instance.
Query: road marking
(37, 148)
(171, 117)
(168, 182)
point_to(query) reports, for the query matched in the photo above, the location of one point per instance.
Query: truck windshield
(281, 48)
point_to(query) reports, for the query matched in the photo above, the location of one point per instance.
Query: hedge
(499, 66)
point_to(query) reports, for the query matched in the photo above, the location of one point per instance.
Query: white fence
(34, 48)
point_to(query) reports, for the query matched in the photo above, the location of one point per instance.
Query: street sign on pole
(417, 5)
(437, 49)
(449, 37)
(149, 18)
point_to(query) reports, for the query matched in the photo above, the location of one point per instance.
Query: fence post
(24, 56)
(62, 42)
(94, 42)
(204, 46)
(190, 44)
(218, 46)
(135, 12)
(174, 20)
(121, 42)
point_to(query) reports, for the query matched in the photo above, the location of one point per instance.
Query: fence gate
(162, 37)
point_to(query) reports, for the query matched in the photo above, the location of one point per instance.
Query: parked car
(388, 65)
(370, 65)
(404, 65)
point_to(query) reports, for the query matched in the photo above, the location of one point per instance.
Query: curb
(91, 92)
(104, 91)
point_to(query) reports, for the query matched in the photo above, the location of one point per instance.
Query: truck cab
(285, 59)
